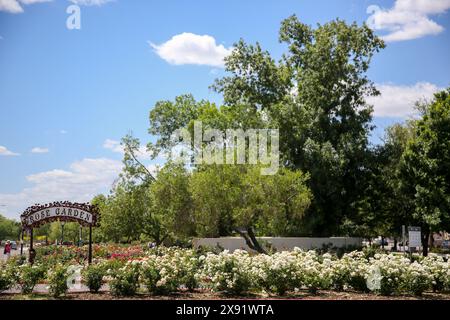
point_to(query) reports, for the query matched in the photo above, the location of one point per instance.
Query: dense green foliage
(9, 229)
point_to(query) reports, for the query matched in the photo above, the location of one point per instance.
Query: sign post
(90, 245)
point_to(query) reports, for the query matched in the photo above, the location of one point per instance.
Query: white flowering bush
(440, 272)
(417, 279)
(8, 276)
(29, 276)
(392, 273)
(276, 273)
(57, 280)
(166, 271)
(351, 271)
(389, 269)
(313, 269)
(229, 272)
(125, 280)
(240, 272)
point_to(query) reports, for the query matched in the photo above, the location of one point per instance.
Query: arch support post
(90, 245)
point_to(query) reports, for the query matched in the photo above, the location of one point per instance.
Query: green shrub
(371, 251)
(93, 277)
(417, 279)
(228, 272)
(125, 281)
(440, 271)
(159, 280)
(8, 277)
(277, 272)
(57, 280)
(29, 276)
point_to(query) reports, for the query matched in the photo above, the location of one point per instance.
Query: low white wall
(280, 244)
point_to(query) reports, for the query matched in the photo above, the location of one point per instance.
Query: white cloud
(39, 150)
(189, 48)
(408, 19)
(90, 2)
(11, 6)
(15, 6)
(80, 183)
(33, 1)
(5, 152)
(399, 100)
(115, 146)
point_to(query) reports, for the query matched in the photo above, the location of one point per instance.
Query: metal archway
(84, 213)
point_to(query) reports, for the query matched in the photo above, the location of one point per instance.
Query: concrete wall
(280, 244)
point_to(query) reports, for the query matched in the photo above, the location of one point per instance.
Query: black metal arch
(83, 213)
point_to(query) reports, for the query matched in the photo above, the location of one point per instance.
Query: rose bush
(228, 272)
(351, 271)
(277, 273)
(167, 270)
(29, 276)
(8, 276)
(125, 280)
(440, 271)
(93, 276)
(57, 280)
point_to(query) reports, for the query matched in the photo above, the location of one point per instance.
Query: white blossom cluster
(240, 271)
(167, 270)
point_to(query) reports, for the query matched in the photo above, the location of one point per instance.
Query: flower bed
(164, 271)
(52, 254)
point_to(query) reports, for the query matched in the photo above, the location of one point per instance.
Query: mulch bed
(206, 295)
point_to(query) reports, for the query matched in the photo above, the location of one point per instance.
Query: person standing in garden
(7, 250)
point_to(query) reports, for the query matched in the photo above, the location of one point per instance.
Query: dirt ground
(206, 295)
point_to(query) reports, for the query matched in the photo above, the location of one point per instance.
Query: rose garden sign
(84, 213)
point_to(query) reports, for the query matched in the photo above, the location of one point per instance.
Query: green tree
(316, 97)
(320, 111)
(122, 213)
(53, 232)
(215, 193)
(171, 203)
(9, 229)
(383, 207)
(134, 171)
(425, 169)
(238, 198)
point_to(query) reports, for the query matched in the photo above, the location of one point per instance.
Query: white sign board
(415, 239)
(59, 212)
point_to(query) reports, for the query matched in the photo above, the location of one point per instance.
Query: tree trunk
(159, 240)
(250, 240)
(431, 240)
(425, 239)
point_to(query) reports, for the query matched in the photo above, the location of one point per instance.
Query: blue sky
(67, 96)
